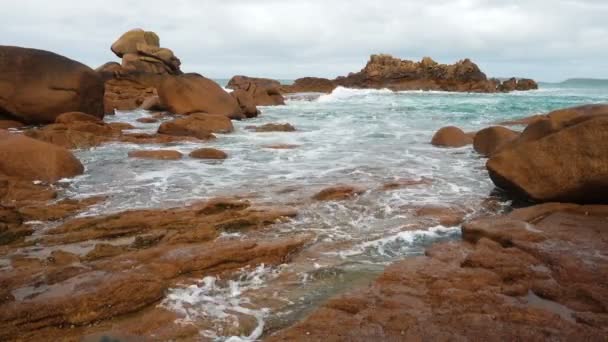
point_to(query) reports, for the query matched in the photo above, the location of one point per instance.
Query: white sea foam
(220, 303)
(342, 94)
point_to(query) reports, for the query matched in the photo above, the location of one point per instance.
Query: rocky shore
(538, 272)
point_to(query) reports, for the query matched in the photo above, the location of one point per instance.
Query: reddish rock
(403, 183)
(128, 42)
(156, 154)
(127, 93)
(491, 139)
(338, 193)
(30, 159)
(151, 103)
(263, 91)
(6, 124)
(197, 125)
(148, 119)
(109, 68)
(71, 117)
(39, 85)
(568, 165)
(192, 93)
(451, 136)
(273, 127)
(246, 103)
(208, 153)
(519, 277)
(310, 85)
(563, 115)
(385, 71)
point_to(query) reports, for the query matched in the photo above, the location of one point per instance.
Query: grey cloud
(545, 39)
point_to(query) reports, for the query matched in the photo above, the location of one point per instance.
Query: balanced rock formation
(451, 136)
(140, 51)
(30, 159)
(536, 274)
(263, 91)
(564, 161)
(36, 86)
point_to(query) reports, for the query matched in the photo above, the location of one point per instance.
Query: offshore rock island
(142, 202)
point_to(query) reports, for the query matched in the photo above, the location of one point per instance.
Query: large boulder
(264, 91)
(129, 41)
(246, 103)
(489, 140)
(193, 93)
(30, 159)
(569, 164)
(451, 136)
(37, 85)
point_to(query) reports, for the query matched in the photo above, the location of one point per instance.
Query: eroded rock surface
(536, 274)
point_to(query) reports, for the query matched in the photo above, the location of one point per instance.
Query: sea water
(364, 138)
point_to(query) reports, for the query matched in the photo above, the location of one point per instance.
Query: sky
(548, 40)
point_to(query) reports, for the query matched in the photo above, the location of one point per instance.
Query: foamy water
(364, 138)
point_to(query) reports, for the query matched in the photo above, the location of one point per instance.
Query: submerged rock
(273, 127)
(451, 136)
(39, 85)
(522, 276)
(208, 153)
(199, 125)
(156, 154)
(338, 193)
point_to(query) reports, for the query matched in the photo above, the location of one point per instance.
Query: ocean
(363, 138)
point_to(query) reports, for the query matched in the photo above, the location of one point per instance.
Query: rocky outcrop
(263, 91)
(338, 193)
(563, 161)
(208, 153)
(451, 136)
(385, 71)
(310, 85)
(29, 159)
(36, 86)
(519, 277)
(491, 139)
(563, 115)
(72, 117)
(521, 84)
(197, 125)
(193, 93)
(122, 279)
(246, 102)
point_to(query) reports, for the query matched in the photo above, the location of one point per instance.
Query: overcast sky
(548, 40)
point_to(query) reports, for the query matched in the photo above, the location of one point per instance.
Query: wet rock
(146, 138)
(310, 85)
(404, 183)
(521, 276)
(6, 124)
(281, 146)
(39, 85)
(273, 127)
(151, 103)
(568, 165)
(58, 210)
(30, 159)
(148, 119)
(71, 117)
(246, 103)
(338, 193)
(156, 154)
(197, 125)
(77, 134)
(491, 139)
(192, 93)
(208, 153)
(451, 136)
(263, 91)
(445, 216)
(17, 191)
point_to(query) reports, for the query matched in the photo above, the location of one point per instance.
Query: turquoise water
(358, 137)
